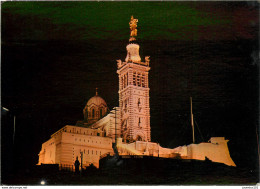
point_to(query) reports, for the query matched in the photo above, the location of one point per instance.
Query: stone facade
(134, 96)
(110, 124)
(66, 144)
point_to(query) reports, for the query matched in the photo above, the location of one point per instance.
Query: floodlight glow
(42, 182)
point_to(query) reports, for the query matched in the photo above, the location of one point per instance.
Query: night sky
(54, 55)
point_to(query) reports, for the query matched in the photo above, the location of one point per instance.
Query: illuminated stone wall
(215, 150)
(67, 143)
(144, 148)
(134, 96)
(110, 124)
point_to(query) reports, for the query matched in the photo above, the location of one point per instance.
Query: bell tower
(134, 92)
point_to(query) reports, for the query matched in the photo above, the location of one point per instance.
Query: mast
(258, 145)
(192, 122)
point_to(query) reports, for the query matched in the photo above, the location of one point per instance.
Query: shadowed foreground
(141, 171)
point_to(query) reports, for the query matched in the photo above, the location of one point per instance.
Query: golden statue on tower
(133, 30)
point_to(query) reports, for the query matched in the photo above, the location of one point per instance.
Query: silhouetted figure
(77, 165)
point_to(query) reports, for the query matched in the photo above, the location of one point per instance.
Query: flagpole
(192, 122)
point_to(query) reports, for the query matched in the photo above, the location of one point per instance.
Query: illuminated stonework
(110, 124)
(66, 144)
(134, 96)
(215, 150)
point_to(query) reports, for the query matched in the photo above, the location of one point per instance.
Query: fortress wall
(214, 152)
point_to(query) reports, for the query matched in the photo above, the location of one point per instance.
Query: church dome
(96, 100)
(95, 109)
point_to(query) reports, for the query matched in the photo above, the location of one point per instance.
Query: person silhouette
(77, 165)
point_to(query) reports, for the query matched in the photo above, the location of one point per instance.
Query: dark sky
(54, 55)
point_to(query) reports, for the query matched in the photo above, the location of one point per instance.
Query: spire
(96, 91)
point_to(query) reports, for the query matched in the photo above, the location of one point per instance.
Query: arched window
(143, 80)
(139, 138)
(134, 78)
(93, 113)
(100, 113)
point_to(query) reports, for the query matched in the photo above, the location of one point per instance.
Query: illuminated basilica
(125, 128)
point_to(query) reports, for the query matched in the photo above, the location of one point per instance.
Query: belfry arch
(139, 136)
